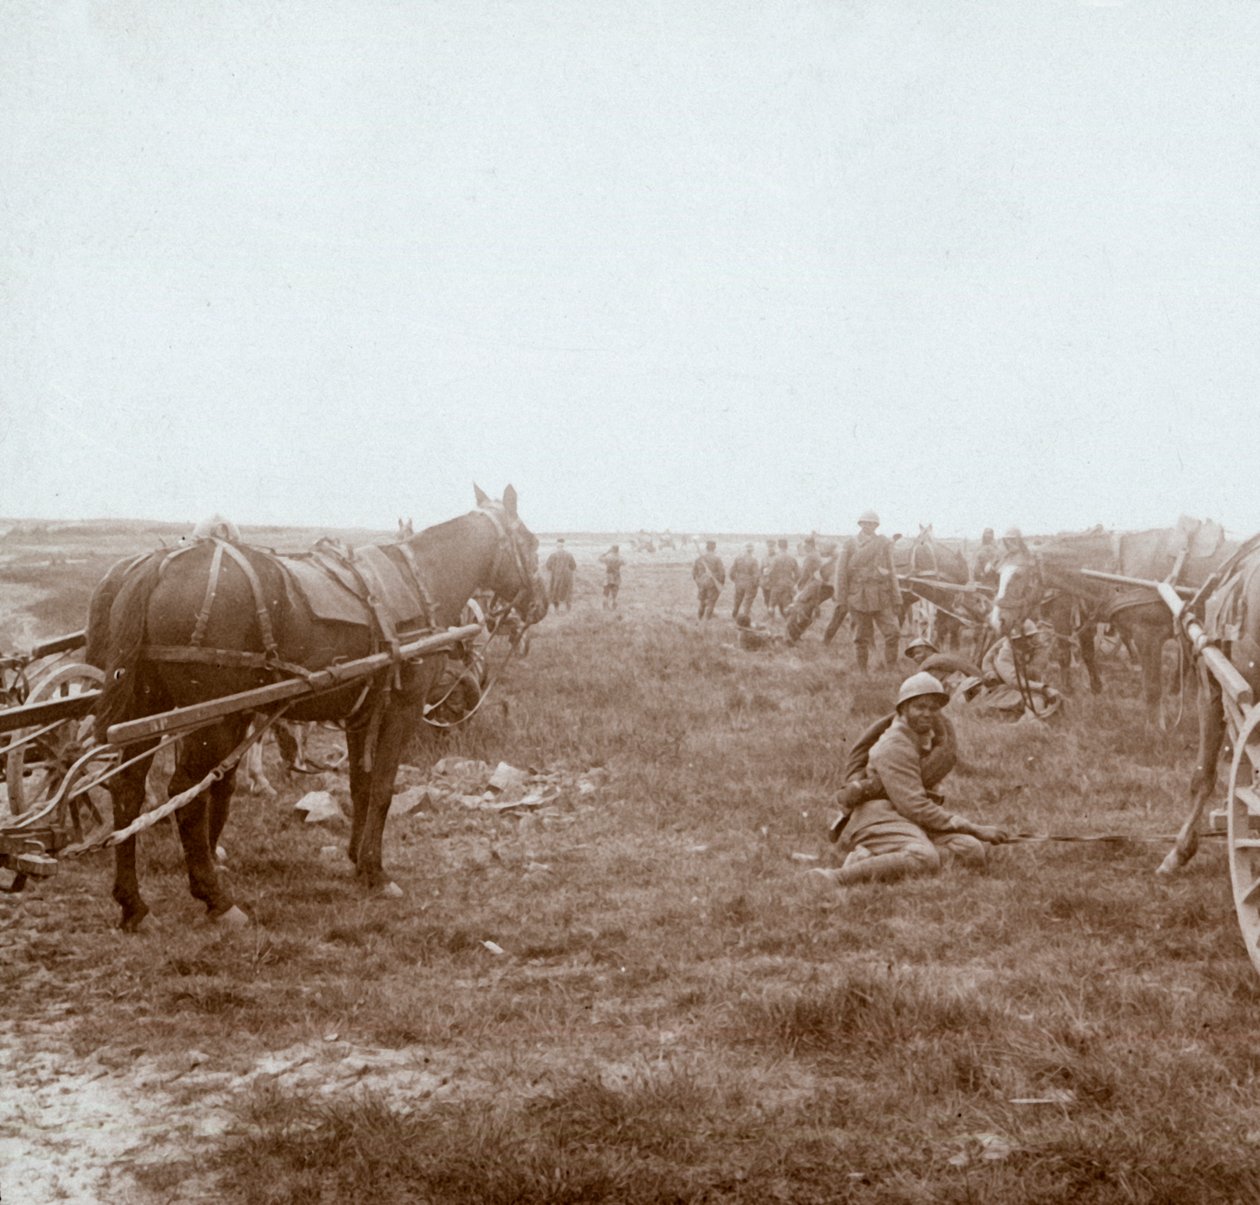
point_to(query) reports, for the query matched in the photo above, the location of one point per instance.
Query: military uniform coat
(865, 577)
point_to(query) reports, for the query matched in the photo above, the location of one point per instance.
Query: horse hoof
(220, 855)
(1169, 866)
(139, 924)
(390, 891)
(233, 918)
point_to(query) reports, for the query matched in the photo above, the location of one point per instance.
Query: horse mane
(439, 535)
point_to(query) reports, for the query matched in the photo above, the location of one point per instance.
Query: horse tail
(117, 619)
(99, 605)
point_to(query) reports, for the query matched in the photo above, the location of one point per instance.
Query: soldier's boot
(891, 651)
(863, 657)
(883, 868)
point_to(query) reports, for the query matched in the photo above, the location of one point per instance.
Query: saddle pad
(327, 597)
(391, 585)
(332, 592)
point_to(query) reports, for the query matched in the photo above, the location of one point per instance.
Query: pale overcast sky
(708, 265)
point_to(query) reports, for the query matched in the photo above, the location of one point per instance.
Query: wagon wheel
(33, 771)
(1244, 831)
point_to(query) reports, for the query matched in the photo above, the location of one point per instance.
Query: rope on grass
(1163, 838)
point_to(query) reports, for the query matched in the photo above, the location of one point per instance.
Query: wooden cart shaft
(317, 682)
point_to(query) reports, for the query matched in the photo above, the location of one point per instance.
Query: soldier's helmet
(919, 685)
(988, 534)
(869, 516)
(919, 643)
(1027, 630)
(1012, 533)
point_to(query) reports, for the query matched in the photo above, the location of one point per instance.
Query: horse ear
(509, 500)
(482, 496)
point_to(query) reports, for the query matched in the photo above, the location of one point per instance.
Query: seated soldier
(1009, 666)
(954, 673)
(897, 826)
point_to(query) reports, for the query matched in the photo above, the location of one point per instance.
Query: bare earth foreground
(628, 991)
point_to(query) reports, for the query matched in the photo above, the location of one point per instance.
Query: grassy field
(667, 1011)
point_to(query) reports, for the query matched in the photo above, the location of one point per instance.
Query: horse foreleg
(126, 792)
(1088, 656)
(396, 725)
(1203, 782)
(360, 788)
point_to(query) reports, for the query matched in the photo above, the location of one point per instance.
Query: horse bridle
(508, 546)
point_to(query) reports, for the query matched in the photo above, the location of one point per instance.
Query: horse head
(925, 556)
(515, 576)
(1019, 591)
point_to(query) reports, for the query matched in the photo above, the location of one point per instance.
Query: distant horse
(928, 561)
(176, 628)
(1051, 584)
(1230, 611)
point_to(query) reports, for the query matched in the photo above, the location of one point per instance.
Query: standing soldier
(984, 566)
(560, 568)
(745, 577)
(765, 574)
(811, 562)
(783, 574)
(866, 585)
(612, 562)
(709, 574)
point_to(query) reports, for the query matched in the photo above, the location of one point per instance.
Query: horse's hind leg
(1150, 646)
(1203, 782)
(198, 755)
(126, 791)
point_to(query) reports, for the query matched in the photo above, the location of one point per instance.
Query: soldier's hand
(990, 833)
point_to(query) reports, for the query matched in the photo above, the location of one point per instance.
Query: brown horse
(215, 618)
(1229, 607)
(929, 561)
(1050, 584)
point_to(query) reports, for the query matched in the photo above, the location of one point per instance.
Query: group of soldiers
(860, 572)
(893, 821)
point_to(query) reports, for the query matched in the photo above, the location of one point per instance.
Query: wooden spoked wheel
(1244, 831)
(34, 771)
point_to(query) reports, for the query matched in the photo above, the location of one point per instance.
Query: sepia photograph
(635, 603)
